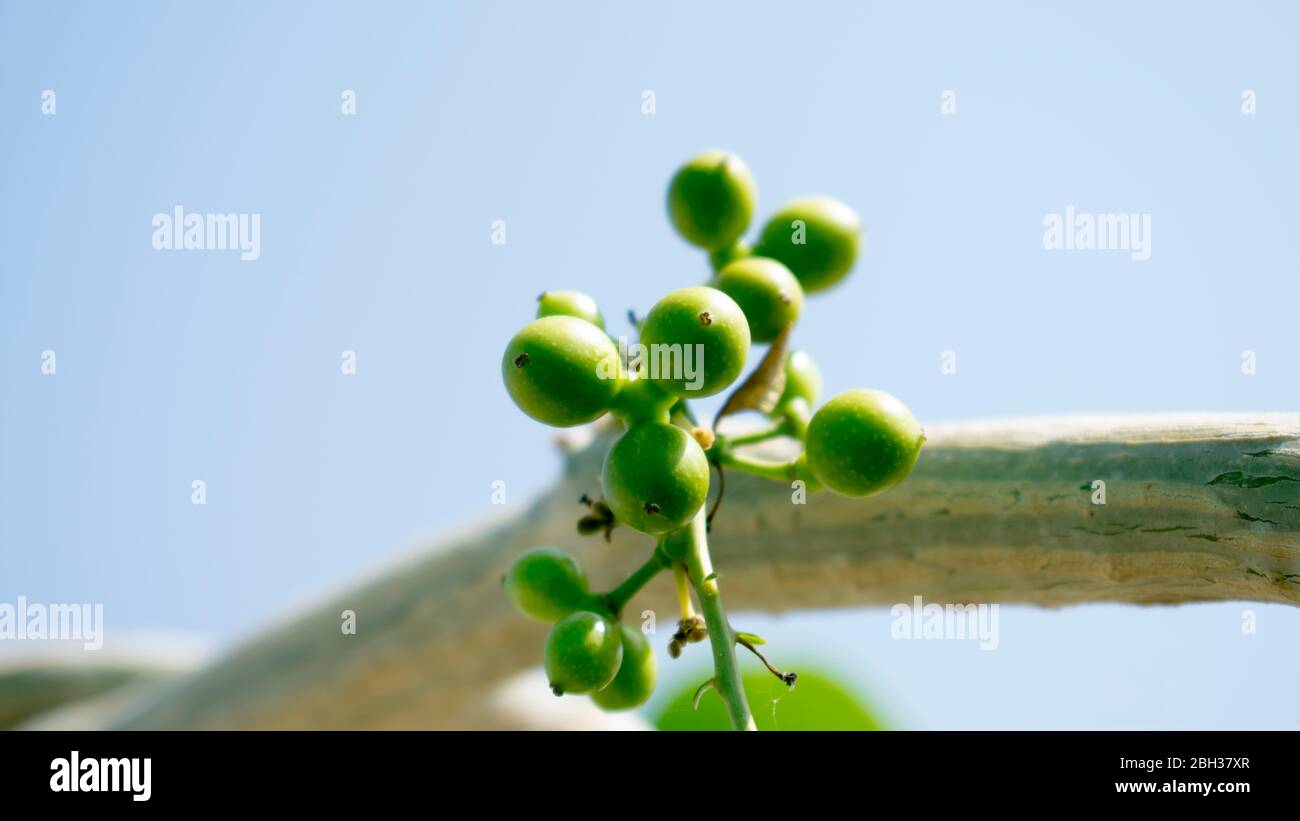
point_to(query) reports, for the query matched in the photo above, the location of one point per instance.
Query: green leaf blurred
(816, 702)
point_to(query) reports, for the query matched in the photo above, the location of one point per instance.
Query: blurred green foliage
(816, 702)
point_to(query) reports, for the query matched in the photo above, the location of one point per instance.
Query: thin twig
(722, 488)
(788, 678)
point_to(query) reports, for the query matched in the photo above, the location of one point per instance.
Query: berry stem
(781, 428)
(618, 598)
(642, 401)
(727, 678)
(683, 591)
(796, 417)
(778, 471)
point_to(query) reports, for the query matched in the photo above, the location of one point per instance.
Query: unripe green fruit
(635, 681)
(816, 238)
(570, 303)
(656, 477)
(583, 653)
(711, 199)
(546, 584)
(862, 442)
(700, 327)
(562, 370)
(802, 379)
(766, 291)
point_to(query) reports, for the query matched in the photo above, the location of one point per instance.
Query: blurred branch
(43, 684)
(1197, 508)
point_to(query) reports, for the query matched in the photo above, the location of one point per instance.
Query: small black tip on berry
(705, 319)
(557, 689)
(541, 296)
(651, 508)
(522, 360)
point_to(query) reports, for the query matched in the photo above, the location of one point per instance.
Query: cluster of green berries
(589, 651)
(563, 369)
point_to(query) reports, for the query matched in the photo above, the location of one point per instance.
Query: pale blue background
(375, 237)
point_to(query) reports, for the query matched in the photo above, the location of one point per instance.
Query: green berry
(636, 675)
(711, 199)
(766, 291)
(697, 340)
(546, 584)
(562, 371)
(583, 653)
(656, 477)
(817, 239)
(570, 303)
(862, 442)
(802, 379)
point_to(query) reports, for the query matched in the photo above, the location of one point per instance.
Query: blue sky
(375, 233)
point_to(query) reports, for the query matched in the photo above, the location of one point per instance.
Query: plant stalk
(721, 637)
(683, 592)
(618, 598)
(778, 471)
(781, 428)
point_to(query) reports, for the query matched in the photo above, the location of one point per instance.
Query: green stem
(719, 259)
(754, 437)
(797, 416)
(778, 471)
(618, 598)
(683, 591)
(721, 636)
(641, 400)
